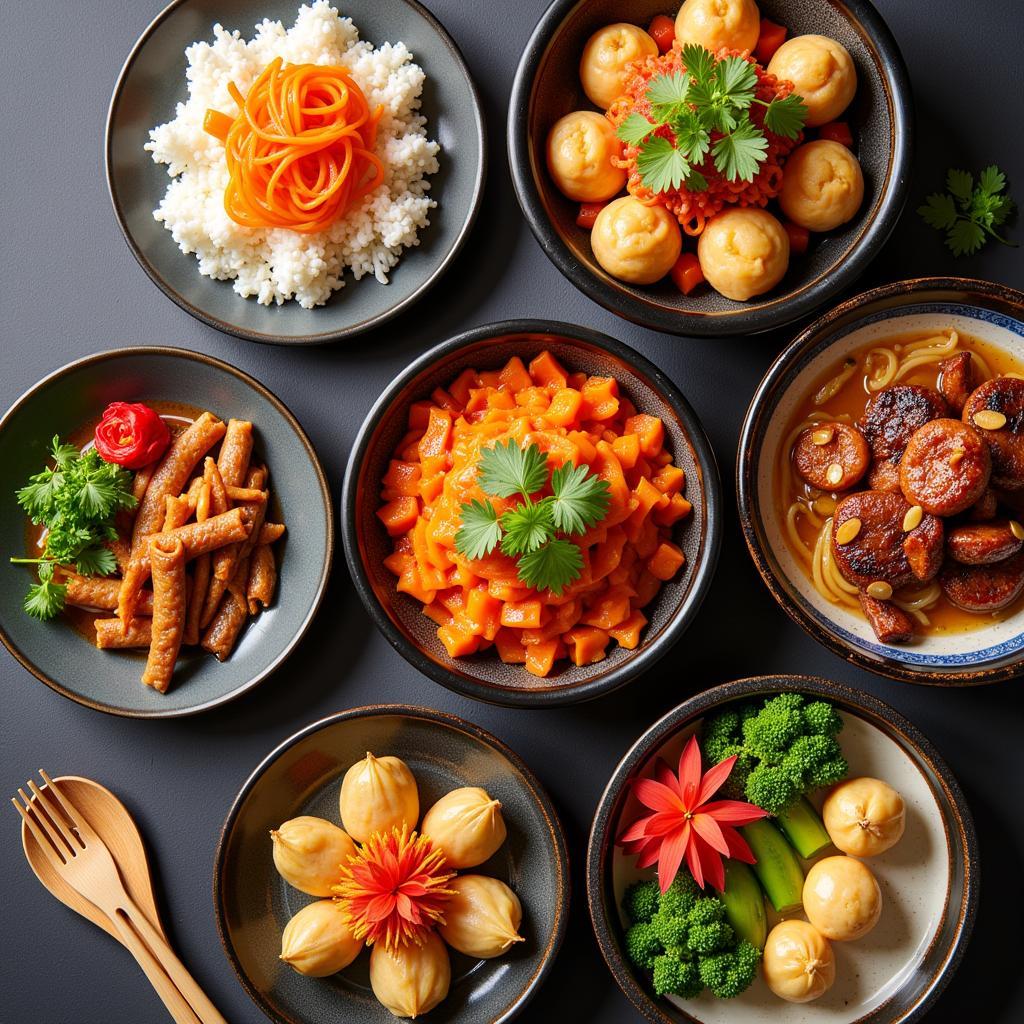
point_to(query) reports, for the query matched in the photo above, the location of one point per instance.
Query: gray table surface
(69, 286)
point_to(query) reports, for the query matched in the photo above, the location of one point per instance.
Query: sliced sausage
(892, 416)
(984, 543)
(892, 625)
(985, 508)
(831, 456)
(996, 408)
(924, 547)
(884, 475)
(945, 468)
(955, 383)
(983, 588)
(875, 550)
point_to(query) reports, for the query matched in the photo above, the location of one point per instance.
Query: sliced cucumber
(777, 868)
(744, 903)
(804, 828)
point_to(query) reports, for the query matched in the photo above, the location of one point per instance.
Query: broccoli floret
(710, 938)
(771, 787)
(720, 736)
(671, 929)
(728, 974)
(673, 976)
(643, 946)
(680, 895)
(821, 719)
(641, 901)
(707, 910)
(828, 773)
(768, 735)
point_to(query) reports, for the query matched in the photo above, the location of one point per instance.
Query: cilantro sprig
(75, 499)
(535, 532)
(706, 107)
(968, 212)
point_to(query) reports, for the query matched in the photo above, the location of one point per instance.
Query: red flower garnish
(131, 435)
(685, 824)
(392, 891)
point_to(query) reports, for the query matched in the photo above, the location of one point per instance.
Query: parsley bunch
(76, 500)
(711, 96)
(530, 531)
(968, 212)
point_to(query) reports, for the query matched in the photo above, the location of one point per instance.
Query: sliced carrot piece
(600, 398)
(564, 408)
(540, 658)
(666, 561)
(586, 644)
(510, 646)
(401, 480)
(650, 430)
(458, 641)
(677, 508)
(522, 614)
(627, 632)
(669, 479)
(627, 450)
(400, 515)
(514, 375)
(547, 372)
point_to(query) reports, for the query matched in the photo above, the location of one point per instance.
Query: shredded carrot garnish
(300, 150)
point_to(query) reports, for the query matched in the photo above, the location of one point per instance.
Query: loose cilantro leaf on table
(969, 213)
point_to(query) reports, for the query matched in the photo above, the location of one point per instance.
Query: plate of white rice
(167, 176)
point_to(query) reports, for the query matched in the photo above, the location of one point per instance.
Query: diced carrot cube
(565, 406)
(540, 658)
(454, 600)
(508, 590)
(608, 610)
(677, 508)
(445, 400)
(535, 398)
(605, 557)
(669, 479)
(666, 561)
(510, 647)
(399, 516)
(648, 497)
(398, 561)
(411, 583)
(522, 614)
(432, 487)
(514, 375)
(419, 415)
(609, 469)
(647, 539)
(627, 450)
(646, 586)
(461, 387)
(627, 633)
(547, 372)
(408, 449)
(437, 438)
(651, 431)
(401, 480)
(457, 640)
(600, 398)
(483, 613)
(586, 644)
(438, 613)
(490, 378)
(585, 445)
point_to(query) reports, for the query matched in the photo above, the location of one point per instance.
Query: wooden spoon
(117, 828)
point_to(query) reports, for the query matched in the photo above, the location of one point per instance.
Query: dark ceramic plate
(547, 86)
(929, 880)
(991, 313)
(303, 776)
(109, 680)
(401, 619)
(153, 81)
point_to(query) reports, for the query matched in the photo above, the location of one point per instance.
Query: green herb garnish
(968, 212)
(533, 532)
(76, 500)
(710, 96)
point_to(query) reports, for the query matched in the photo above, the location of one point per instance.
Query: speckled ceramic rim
(325, 495)
(746, 318)
(440, 719)
(308, 339)
(648, 653)
(864, 705)
(890, 297)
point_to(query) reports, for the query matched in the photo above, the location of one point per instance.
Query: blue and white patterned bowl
(992, 313)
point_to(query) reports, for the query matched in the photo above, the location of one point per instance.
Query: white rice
(276, 264)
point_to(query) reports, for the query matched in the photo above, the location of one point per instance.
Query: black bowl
(547, 86)
(929, 948)
(400, 618)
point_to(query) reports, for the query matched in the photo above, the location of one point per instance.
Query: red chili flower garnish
(393, 890)
(131, 435)
(686, 825)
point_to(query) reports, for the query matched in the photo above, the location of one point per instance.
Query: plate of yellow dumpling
(391, 862)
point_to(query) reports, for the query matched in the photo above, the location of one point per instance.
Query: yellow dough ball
(466, 826)
(580, 150)
(822, 186)
(713, 24)
(636, 243)
(822, 74)
(309, 853)
(317, 941)
(798, 963)
(378, 794)
(864, 817)
(743, 252)
(842, 898)
(603, 64)
(411, 980)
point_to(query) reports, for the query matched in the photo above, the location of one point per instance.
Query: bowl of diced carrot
(531, 513)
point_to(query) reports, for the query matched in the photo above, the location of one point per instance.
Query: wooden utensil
(116, 827)
(78, 854)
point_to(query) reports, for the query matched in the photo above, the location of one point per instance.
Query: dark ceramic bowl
(303, 776)
(991, 313)
(76, 394)
(400, 618)
(547, 86)
(929, 879)
(153, 81)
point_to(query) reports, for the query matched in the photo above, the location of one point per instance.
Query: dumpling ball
(580, 150)
(603, 64)
(743, 252)
(822, 74)
(798, 963)
(713, 24)
(822, 185)
(842, 898)
(634, 242)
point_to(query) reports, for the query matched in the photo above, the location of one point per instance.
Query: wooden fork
(79, 855)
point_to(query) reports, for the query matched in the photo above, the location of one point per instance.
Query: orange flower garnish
(393, 890)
